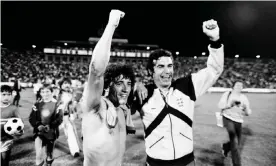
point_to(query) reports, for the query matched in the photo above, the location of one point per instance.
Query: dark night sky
(247, 28)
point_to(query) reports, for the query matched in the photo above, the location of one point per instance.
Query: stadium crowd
(30, 67)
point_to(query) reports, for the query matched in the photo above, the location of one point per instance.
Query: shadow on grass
(62, 147)
(211, 156)
(21, 154)
(246, 131)
(24, 164)
(24, 140)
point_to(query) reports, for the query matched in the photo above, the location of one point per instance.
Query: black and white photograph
(138, 83)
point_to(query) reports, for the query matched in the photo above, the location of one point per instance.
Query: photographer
(234, 105)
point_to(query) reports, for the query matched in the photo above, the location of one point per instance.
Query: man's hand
(41, 128)
(5, 146)
(142, 92)
(3, 121)
(34, 108)
(114, 17)
(211, 29)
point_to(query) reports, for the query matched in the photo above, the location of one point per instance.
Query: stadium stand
(30, 66)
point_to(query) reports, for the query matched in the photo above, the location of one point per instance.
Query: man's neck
(163, 88)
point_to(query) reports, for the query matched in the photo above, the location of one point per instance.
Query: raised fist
(115, 16)
(211, 29)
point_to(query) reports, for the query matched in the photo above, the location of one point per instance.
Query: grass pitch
(258, 142)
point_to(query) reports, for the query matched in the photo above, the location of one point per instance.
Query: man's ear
(106, 92)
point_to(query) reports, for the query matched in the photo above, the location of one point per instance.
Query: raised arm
(206, 77)
(100, 58)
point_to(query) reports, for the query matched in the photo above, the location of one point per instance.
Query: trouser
(72, 136)
(6, 146)
(5, 157)
(187, 160)
(40, 144)
(234, 131)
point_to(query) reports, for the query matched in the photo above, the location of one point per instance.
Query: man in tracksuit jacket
(167, 110)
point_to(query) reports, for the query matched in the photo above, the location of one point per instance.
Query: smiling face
(66, 86)
(163, 72)
(120, 90)
(46, 94)
(238, 87)
(6, 97)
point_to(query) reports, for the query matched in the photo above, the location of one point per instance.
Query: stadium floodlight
(195, 57)
(148, 48)
(236, 56)
(177, 53)
(65, 44)
(34, 46)
(203, 53)
(258, 56)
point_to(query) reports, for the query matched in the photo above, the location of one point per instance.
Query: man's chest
(174, 99)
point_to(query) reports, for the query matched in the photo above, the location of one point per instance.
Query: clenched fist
(115, 16)
(211, 29)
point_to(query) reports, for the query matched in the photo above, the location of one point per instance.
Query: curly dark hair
(65, 79)
(113, 71)
(156, 54)
(6, 88)
(46, 86)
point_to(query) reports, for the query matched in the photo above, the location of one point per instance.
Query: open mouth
(166, 78)
(123, 96)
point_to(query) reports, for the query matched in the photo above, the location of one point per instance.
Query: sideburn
(112, 96)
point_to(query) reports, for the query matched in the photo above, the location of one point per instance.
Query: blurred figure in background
(45, 119)
(65, 102)
(234, 105)
(17, 88)
(36, 89)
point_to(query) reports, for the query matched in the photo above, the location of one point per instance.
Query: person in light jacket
(167, 110)
(234, 105)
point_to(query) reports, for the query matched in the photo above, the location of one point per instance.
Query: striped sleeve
(205, 78)
(185, 85)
